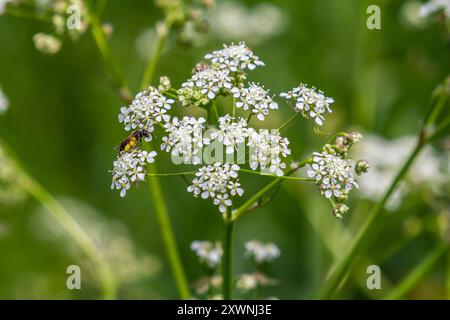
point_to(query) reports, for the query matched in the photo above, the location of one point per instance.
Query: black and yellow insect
(133, 140)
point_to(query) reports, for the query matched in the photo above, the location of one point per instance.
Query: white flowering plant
(224, 144)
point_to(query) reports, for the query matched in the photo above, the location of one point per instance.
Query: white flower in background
(46, 43)
(231, 133)
(233, 20)
(433, 6)
(254, 98)
(235, 57)
(148, 107)
(333, 174)
(312, 104)
(261, 252)
(386, 157)
(217, 182)
(4, 102)
(207, 252)
(129, 168)
(265, 150)
(185, 138)
(3, 4)
(204, 85)
(247, 282)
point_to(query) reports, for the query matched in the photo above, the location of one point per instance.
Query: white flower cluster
(204, 85)
(207, 252)
(433, 6)
(261, 252)
(217, 182)
(185, 138)
(46, 43)
(4, 102)
(312, 104)
(254, 98)
(130, 168)
(386, 158)
(231, 133)
(333, 174)
(234, 58)
(265, 150)
(148, 107)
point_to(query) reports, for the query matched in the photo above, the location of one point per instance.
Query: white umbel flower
(147, 108)
(235, 57)
(46, 43)
(433, 6)
(208, 252)
(266, 149)
(129, 168)
(231, 133)
(312, 104)
(261, 252)
(256, 99)
(185, 138)
(4, 102)
(333, 174)
(204, 85)
(217, 182)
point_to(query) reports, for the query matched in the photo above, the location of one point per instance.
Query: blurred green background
(62, 124)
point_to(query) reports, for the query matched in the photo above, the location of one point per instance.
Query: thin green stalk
(233, 108)
(162, 32)
(227, 260)
(168, 236)
(249, 117)
(338, 273)
(111, 63)
(57, 211)
(274, 176)
(417, 274)
(213, 114)
(292, 117)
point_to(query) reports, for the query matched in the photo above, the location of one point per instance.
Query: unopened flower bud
(108, 29)
(362, 166)
(354, 137)
(340, 210)
(340, 144)
(164, 84)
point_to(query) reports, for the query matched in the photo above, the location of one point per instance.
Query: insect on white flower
(208, 252)
(236, 57)
(254, 98)
(129, 168)
(333, 174)
(185, 138)
(147, 108)
(217, 182)
(261, 252)
(312, 104)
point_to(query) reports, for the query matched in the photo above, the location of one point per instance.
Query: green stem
(74, 230)
(417, 274)
(275, 176)
(162, 32)
(292, 117)
(227, 262)
(343, 265)
(168, 236)
(249, 116)
(233, 108)
(111, 63)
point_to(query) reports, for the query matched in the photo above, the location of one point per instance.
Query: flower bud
(362, 166)
(164, 84)
(340, 210)
(354, 137)
(340, 145)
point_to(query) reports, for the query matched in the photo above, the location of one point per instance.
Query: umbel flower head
(312, 104)
(185, 138)
(147, 108)
(256, 99)
(261, 252)
(129, 168)
(218, 182)
(234, 58)
(208, 253)
(230, 132)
